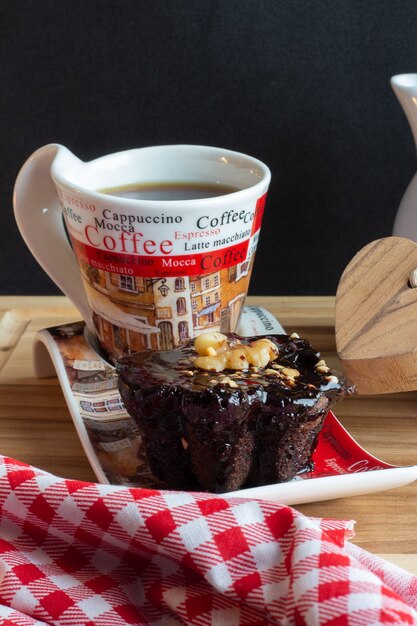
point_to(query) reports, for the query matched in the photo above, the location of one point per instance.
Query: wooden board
(36, 427)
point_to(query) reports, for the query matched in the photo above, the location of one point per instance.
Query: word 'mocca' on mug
(157, 244)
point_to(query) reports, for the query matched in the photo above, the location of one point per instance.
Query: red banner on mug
(259, 212)
(162, 266)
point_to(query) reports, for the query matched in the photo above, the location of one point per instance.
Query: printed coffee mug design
(156, 269)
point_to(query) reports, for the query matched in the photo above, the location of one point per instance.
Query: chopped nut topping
(228, 381)
(269, 345)
(217, 354)
(230, 359)
(321, 367)
(290, 373)
(188, 373)
(332, 379)
(207, 342)
(272, 372)
(185, 443)
(184, 362)
(237, 359)
(211, 363)
(294, 336)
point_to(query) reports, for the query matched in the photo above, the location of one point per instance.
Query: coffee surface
(163, 191)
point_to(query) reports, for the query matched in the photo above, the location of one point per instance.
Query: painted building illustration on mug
(134, 313)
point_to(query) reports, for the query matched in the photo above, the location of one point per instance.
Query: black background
(303, 85)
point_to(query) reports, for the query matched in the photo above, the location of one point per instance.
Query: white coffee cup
(145, 273)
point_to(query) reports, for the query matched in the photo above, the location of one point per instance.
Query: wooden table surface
(36, 427)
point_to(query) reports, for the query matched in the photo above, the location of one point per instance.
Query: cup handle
(39, 218)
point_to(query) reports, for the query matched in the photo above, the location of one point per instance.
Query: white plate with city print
(112, 443)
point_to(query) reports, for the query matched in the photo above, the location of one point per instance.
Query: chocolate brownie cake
(227, 411)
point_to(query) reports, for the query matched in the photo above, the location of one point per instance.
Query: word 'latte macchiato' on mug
(157, 261)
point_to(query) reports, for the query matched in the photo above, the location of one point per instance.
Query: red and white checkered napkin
(77, 553)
